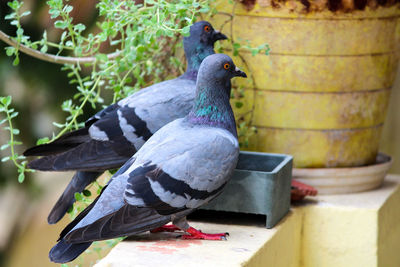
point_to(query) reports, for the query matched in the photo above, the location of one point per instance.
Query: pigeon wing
(166, 179)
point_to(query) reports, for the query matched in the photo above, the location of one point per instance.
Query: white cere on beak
(216, 31)
(237, 69)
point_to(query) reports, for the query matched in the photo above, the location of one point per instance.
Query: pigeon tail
(62, 144)
(77, 184)
(91, 156)
(64, 252)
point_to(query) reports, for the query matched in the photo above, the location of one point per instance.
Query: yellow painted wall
(390, 141)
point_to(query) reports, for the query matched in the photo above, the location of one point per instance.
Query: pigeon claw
(196, 234)
(166, 228)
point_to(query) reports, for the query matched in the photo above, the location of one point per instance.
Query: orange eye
(207, 28)
(226, 66)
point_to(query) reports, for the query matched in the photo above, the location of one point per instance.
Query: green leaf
(86, 193)
(78, 196)
(5, 159)
(59, 125)
(21, 177)
(186, 31)
(67, 8)
(10, 16)
(16, 61)
(14, 4)
(69, 44)
(54, 13)
(4, 146)
(10, 51)
(20, 32)
(61, 24)
(44, 49)
(43, 140)
(13, 114)
(26, 13)
(79, 27)
(238, 104)
(6, 101)
(15, 132)
(70, 210)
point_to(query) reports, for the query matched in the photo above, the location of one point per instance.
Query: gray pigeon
(114, 134)
(181, 167)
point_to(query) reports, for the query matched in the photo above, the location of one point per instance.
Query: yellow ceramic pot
(322, 93)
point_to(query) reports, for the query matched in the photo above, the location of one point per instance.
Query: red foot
(300, 190)
(196, 234)
(166, 228)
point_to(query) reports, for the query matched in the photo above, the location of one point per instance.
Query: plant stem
(48, 57)
(73, 120)
(10, 125)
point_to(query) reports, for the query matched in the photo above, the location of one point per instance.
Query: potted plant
(323, 92)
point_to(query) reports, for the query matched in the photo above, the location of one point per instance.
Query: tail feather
(64, 252)
(90, 156)
(78, 184)
(62, 144)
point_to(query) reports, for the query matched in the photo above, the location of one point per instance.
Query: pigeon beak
(240, 73)
(217, 35)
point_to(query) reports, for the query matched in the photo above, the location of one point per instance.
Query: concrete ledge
(344, 230)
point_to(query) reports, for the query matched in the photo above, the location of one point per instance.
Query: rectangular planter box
(261, 184)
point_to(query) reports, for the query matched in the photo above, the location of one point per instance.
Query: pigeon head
(200, 44)
(213, 89)
(218, 69)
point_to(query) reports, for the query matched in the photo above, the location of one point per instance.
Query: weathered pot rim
(383, 162)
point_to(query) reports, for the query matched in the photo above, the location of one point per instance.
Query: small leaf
(79, 27)
(59, 125)
(6, 100)
(238, 104)
(67, 8)
(186, 31)
(13, 4)
(70, 210)
(5, 159)
(10, 51)
(16, 61)
(54, 13)
(10, 16)
(4, 146)
(15, 132)
(44, 49)
(61, 24)
(21, 177)
(43, 140)
(86, 193)
(78, 197)
(20, 32)
(26, 13)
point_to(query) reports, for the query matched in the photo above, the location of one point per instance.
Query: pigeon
(182, 166)
(114, 134)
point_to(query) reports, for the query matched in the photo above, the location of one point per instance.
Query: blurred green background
(38, 89)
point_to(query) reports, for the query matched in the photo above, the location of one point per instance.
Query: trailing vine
(143, 44)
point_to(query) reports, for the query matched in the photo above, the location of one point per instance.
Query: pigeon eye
(207, 28)
(226, 66)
